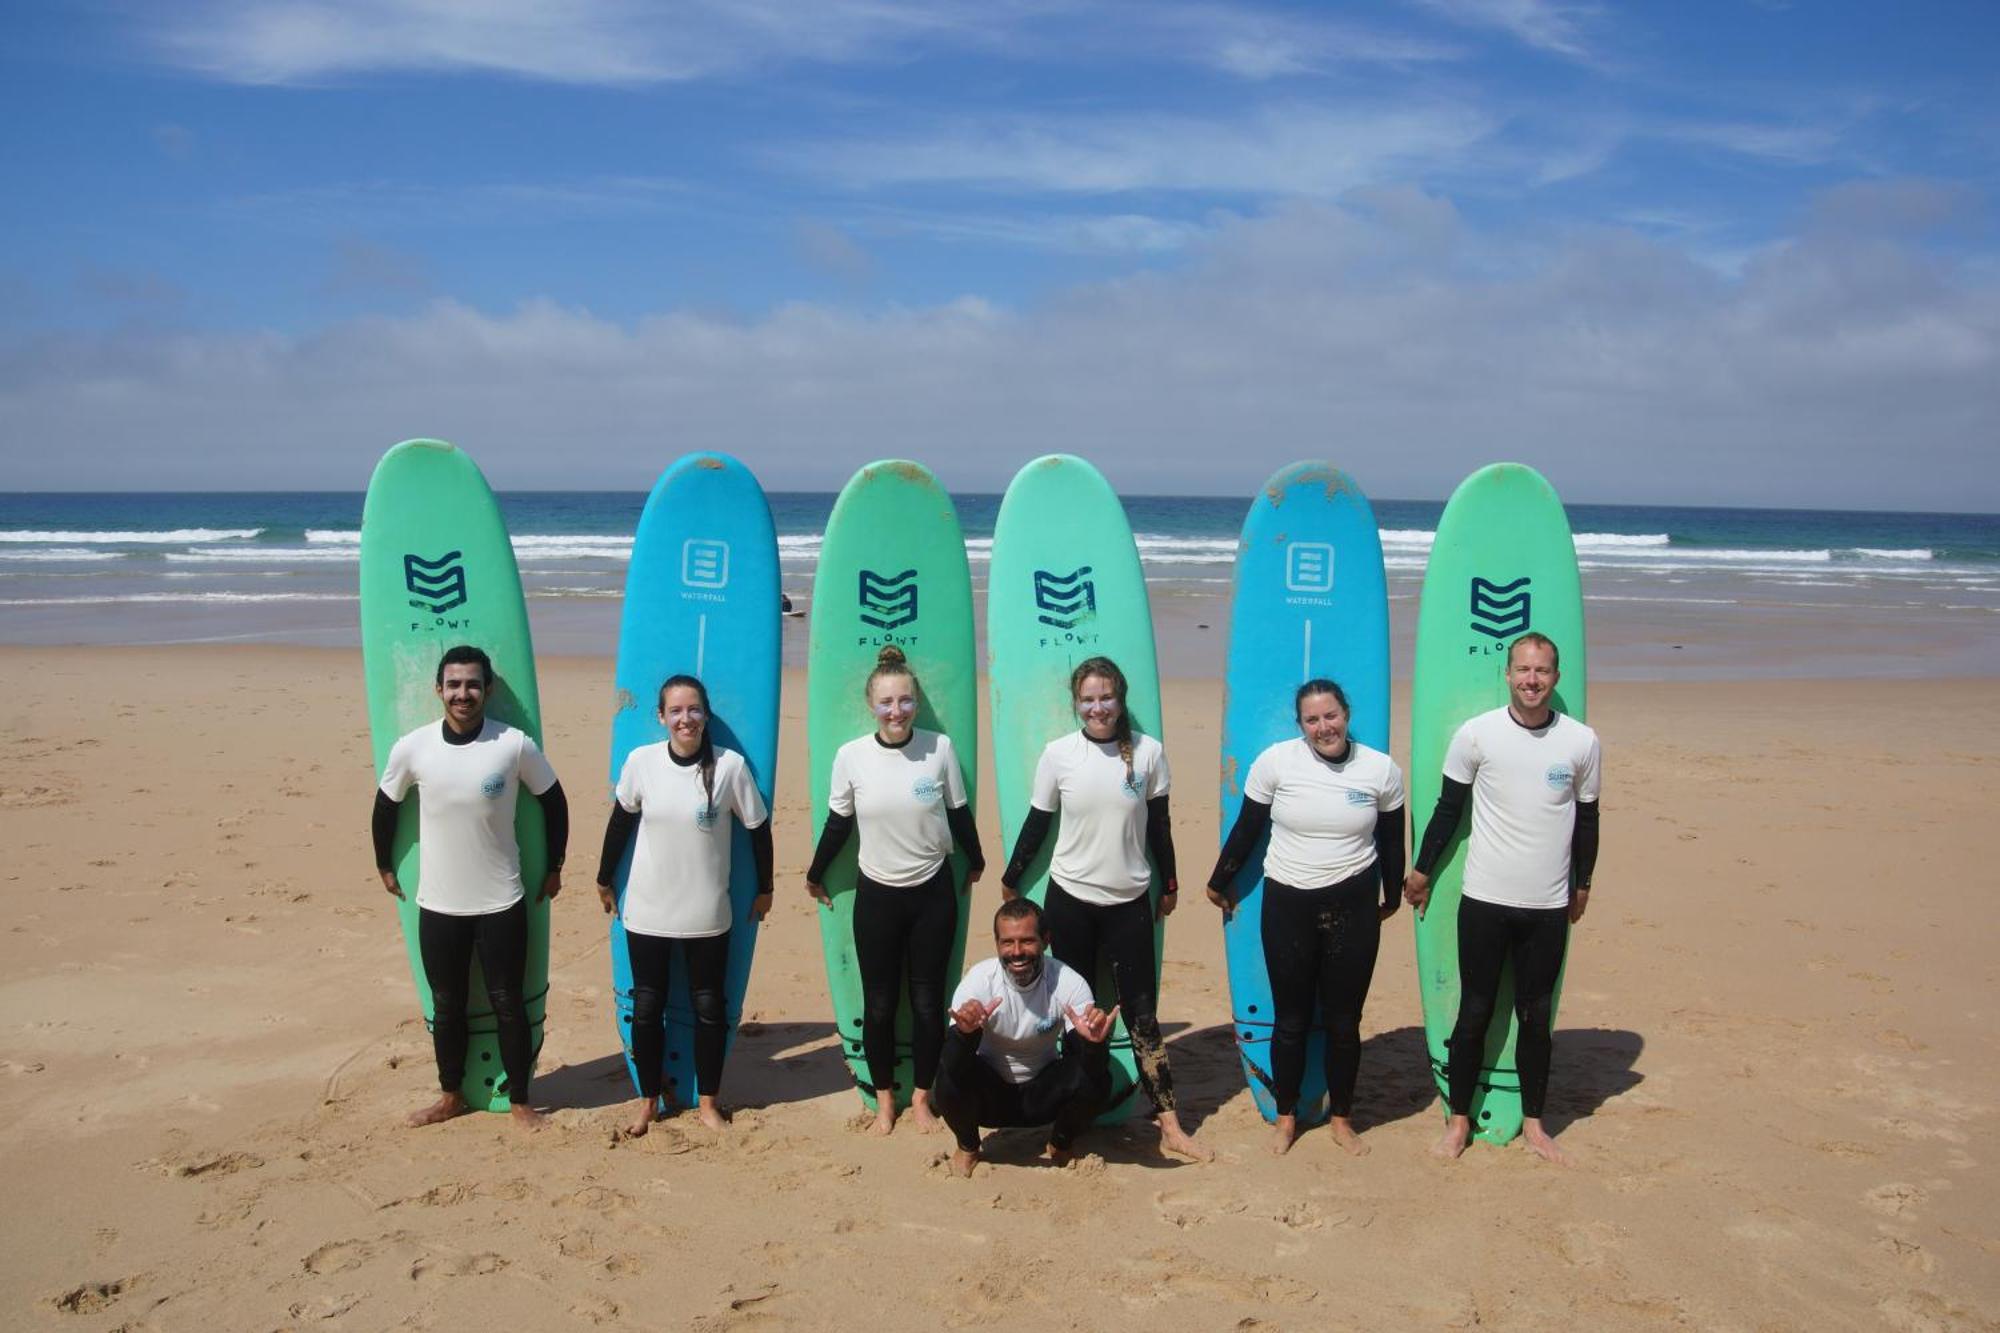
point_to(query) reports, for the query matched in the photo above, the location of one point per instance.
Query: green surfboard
(437, 570)
(1066, 584)
(892, 570)
(1503, 563)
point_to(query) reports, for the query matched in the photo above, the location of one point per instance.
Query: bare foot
(920, 1111)
(1055, 1156)
(885, 1118)
(1345, 1138)
(644, 1112)
(1540, 1144)
(526, 1116)
(961, 1162)
(1177, 1142)
(447, 1107)
(1457, 1134)
(709, 1114)
(1288, 1133)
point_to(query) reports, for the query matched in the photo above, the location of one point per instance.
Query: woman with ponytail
(1111, 787)
(680, 795)
(900, 787)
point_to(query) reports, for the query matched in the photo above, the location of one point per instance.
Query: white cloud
(1289, 150)
(1389, 335)
(1546, 25)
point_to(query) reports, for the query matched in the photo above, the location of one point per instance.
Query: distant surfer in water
(1025, 1045)
(1532, 776)
(680, 794)
(1332, 872)
(900, 787)
(468, 772)
(1110, 786)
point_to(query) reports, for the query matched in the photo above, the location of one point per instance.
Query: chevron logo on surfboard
(1500, 610)
(435, 585)
(1065, 600)
(888, 602)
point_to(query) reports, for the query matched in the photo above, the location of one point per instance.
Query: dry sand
(1775, 1063)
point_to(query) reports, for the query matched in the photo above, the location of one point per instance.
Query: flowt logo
(1500, 610)
(1065, 600)
(435, 585)
(888, 602)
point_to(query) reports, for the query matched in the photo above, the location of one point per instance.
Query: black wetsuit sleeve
(382, 826)
(1583, 843)
(965, 832)
(1450, 809)
(764, 855)
(1034, 832)
(1251, 821)
(555, 819)
(1390, 854)
(617, 836)
(1160, 839)
(832, 837)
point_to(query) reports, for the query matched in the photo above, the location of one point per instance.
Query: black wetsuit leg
(1065, 1095)
(651, 957)
(891, 927)
(1320, 946)
(1353, 938)
(1489, 936)
(447, 944)
(708, 970)
(1122, 934)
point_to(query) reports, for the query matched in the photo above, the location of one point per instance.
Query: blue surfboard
(701, 597)
(1310, 600)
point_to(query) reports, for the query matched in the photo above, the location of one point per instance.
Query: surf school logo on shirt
(704, 818)
(1499, 611)
(1559, 776)
(495, 784)
(927, 790)
(1357, 797)
(436, 585)
(1135, 784)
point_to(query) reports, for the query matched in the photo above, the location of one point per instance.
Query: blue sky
(1712, 252)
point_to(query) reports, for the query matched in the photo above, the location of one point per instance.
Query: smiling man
(1532, 776)
(1025, 1045)
(468, 771)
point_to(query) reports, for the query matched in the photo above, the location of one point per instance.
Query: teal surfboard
(892, 570)
(437, 570)
(1503, 563)
(1310, 601)
(701, 598)
(1065, 585)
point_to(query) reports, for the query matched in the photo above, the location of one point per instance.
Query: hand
(391, 883)
(1221, 899)
(972, 874)
(1170, 896)
(608, 896)
(1579, 901)
(760, 906)
(1008, 893)
(1417, 890)
(551, 885)
(819, 893)
(1387, 909)
(1093, 1024)
(972, 1015)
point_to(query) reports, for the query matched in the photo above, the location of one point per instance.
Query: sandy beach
(1775, 1061)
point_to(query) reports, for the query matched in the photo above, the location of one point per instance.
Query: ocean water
(282, 567)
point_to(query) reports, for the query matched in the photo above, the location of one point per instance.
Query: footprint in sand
(597, 1309)
(457, 1265)
(1894, 1199)
(1908, 1253)
(92, 1297)
(338, 1256)
(1183, 1211)
(325, 1307)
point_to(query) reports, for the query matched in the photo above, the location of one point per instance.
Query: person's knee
(648, 1004)
(1475, 1013)
(448, 1003)
(507, 1006)
(1343, 1031)
(709, 1008)
(1535, 1015)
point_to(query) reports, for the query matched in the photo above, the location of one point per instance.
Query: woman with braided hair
(1110, 786)
(680, 794)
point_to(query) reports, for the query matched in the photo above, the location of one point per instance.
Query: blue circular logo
(1357, 797)
(495, 784)
(927, 789)
(1559, 776)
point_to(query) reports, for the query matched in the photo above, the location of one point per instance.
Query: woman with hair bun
(679, 794)
(901, 790)
(1110, 785)
(1332, 874)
